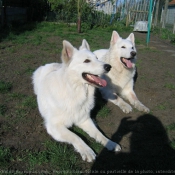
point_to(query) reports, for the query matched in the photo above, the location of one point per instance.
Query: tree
(80, 4)
(57, 4)
(72, 9)
(79, 16)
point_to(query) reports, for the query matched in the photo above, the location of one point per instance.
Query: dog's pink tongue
(128, 63)
(99, 81)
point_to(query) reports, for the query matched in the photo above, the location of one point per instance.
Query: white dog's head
(83, 65)
(125, 49)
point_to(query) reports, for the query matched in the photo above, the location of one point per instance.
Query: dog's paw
(143, 108)
(126, 108)
(112, 146)
(147, 110)
(88, 155)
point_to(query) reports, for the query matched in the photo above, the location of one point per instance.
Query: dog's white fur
(65, 98)
(120, 80)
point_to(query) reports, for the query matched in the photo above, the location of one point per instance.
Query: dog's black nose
(133, 53)
(107, 67)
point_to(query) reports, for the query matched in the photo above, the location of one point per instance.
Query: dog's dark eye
(123, 47)
(87, 61)
(97, 58)
(132, 47)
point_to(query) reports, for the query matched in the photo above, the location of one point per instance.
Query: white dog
(65, 96)
(120, 80)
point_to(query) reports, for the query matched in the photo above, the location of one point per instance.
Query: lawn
(147, 140)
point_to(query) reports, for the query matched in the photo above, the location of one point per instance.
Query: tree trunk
(156, 14)
(79, 17)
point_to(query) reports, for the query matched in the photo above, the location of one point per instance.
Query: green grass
(103, 112)
(3, 109)
(170, 86)
(165, 106)
(171, 128)
(172, 144)
(165, 33)
(139, 63)
(30, 102)
(169, 74)
(29, 70)
(54, 156)
(5, 156)
(162, 106)
(28, 56)
(5, 86)
(16, 95)
(90, 142)
(148, 49)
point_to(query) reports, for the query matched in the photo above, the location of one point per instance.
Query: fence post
(165, 13)
(149, 22)
(174, 26)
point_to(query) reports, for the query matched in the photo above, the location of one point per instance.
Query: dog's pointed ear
(131, 38)
(114, 38)
(67, 52)
(84, 45)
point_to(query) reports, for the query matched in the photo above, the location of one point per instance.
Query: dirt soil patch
(145, 141)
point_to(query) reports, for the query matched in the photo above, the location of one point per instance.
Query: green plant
(173, 39)
(165, 33)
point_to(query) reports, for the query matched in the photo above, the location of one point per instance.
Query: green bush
(164, 34)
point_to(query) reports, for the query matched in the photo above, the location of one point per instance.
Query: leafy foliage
(164, 34)
(67, 11)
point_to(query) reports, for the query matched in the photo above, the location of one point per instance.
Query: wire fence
(132, 11)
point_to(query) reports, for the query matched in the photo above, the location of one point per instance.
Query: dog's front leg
(136, 103)
(114, 98)
(89, 127)
(132, 98)
(125, 107)
(62, 134)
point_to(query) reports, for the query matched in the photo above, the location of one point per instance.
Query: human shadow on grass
(150, 149)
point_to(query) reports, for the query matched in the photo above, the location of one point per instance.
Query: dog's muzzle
(107, 67)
